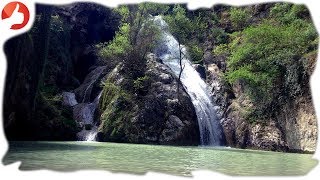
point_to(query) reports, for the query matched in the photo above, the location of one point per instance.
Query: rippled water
(139, 159)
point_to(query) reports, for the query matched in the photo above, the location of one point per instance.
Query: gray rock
(208, 57)
(173, 130)
(266, 137)
(298, 122)
(84, 113)
(166, 78)
(69, 99)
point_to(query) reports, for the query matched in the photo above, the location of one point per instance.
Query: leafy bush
(154, 8)
(287, 13)
(198, 28)
(219, 35)
(115, 107)
(179, 24)
(136, 37)
(118, 46)
(222, 49)
(196, 53)
(110, 93)
(299, 11)
(280, 9)
(239, 17)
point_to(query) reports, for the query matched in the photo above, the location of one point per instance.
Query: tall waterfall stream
(168, 51)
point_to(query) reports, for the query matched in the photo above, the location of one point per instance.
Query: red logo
(16, 7)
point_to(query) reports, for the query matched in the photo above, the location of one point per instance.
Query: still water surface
(139, 159)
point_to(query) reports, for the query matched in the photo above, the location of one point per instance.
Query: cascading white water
(168, 50)
(84, 113)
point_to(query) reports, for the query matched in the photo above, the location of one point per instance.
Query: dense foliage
(239, 17)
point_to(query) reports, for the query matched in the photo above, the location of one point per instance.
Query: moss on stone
(115, 108)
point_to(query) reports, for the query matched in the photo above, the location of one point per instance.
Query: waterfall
(84, 113)
(168, 51)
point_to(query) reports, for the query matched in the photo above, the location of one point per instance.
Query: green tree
(137, 16)
(137, 35)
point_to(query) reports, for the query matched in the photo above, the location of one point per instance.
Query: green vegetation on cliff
(267, 55)
(240, 17)
(115, 107)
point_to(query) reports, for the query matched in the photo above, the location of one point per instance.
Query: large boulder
(153, 114)
(172, 130)
(267, 137)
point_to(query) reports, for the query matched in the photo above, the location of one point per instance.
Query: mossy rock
(115, 107)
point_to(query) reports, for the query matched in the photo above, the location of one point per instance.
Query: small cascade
(85, 90)
(88, 135)
(84, 113)
(168, 50)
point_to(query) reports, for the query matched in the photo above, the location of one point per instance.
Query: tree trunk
(181, 70)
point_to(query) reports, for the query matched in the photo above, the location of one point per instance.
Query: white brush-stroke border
(12, 171)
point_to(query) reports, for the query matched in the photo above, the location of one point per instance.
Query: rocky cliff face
(298, 122)
(292, 126)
